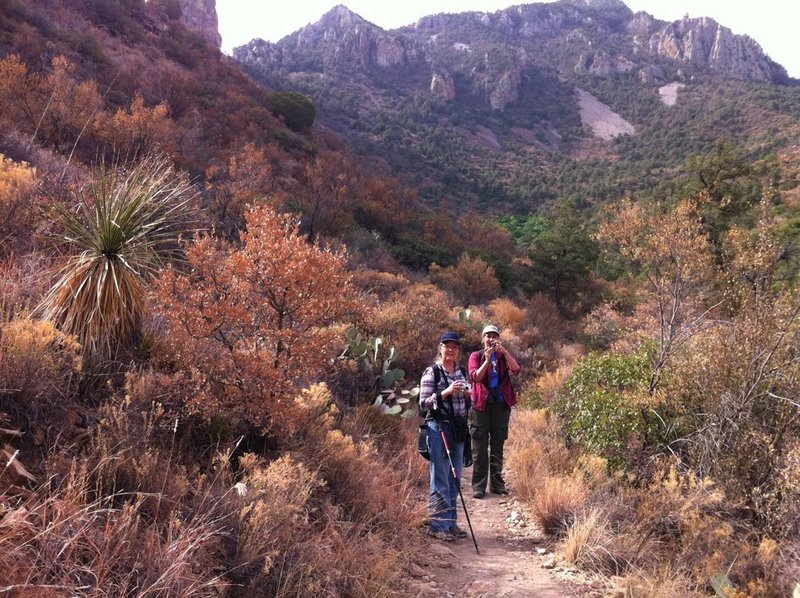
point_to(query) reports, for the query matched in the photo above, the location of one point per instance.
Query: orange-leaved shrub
(548, 331)
(471, 280)
(231, 188)
(248, 326)
(507, 314)
(138, 130)
(412, 320)
(54, 106)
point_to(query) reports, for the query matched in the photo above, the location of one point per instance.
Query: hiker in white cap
(492, 400)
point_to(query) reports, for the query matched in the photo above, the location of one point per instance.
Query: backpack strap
(437, 376)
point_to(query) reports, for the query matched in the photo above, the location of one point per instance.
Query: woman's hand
(455, 387)
(495, 347)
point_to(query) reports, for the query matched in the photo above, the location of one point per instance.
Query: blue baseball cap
(450, 336)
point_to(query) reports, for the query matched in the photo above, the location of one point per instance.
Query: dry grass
(18, 205)
(63, 543)
(588, 542)
(682, 526)
(541, 464)
(549, 383)
(557, 503)
(541, 467)
(333, 517)
(369, 476)
(272, 519)
(40, 368)
(535, 450)
(21, 285)
(666, 581)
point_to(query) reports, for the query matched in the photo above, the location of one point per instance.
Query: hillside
(218, 297)
(491, 103)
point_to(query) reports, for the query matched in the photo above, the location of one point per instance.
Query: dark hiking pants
(489, 431)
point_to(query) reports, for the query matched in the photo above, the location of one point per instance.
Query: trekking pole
(458, 485)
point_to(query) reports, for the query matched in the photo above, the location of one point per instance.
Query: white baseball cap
(490, 328)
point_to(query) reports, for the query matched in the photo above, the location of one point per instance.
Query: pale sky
(772, 23)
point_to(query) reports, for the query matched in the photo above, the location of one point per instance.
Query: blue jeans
(444, 487)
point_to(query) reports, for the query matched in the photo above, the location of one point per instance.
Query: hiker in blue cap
(444, 392)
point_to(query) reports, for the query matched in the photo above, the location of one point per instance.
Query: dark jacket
(480, 390)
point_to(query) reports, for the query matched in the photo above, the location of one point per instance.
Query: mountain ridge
(506, 105)
(699, 42)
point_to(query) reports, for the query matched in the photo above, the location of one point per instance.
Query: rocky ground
(515, 559)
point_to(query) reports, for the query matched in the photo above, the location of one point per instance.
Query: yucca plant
(124, 227)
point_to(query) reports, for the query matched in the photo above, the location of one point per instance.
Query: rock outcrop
(340, 41)
(705, 44)
(200, 16)
(602, 64)
(443, 86)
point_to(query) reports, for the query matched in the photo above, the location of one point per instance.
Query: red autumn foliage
(251, 325)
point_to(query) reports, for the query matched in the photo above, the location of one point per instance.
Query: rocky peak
(602, 4)
(340, 17)
(705, 44)
(341, 41)
(200, 16)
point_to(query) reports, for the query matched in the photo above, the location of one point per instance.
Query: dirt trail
(509, 564)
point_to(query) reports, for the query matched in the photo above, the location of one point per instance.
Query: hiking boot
(478, 494)
(458, 532)
(443, 536)
(501, 491)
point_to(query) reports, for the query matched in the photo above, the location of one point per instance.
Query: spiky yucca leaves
(123, 228)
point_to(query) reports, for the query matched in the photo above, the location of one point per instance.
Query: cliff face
(491, 54)
(706, 44)
(200, 16)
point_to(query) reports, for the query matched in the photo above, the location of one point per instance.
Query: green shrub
(295, 109)
(599, 405)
